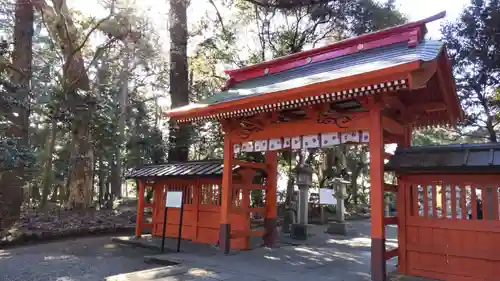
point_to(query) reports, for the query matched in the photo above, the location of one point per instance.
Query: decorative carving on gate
(244, 127)
(333, 117)
(247, 126)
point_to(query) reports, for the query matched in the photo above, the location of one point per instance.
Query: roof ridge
(183, 162)
(353, 41)
(450, 147)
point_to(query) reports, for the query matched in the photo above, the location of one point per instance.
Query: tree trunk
(60, 26)
(71, 163)
(102, 181)
(55, 192)
(491, 129)
(48, 169)
(34, 192)
(12, 182)
(80, 186)
(116, 184)
(179, 84)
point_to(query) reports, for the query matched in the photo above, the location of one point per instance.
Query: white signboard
(327, 197)
(174, 199)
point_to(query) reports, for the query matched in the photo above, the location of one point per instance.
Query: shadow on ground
(85, 259)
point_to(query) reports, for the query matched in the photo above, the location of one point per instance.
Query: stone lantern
(304, 182)
(339, 226)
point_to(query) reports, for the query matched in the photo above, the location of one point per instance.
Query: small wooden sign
(327, 197)
(173, 199)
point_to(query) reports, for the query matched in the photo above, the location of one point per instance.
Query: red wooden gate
(202, 207)
(453, 227)
(201, 213)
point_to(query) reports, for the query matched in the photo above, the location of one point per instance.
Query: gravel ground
(84, 259)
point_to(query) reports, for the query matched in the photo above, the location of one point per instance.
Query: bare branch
(97, 54)
(219, 17)
(286, 4)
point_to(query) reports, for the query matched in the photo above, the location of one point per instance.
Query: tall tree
(12, 181)
(179, 77)
(473, 42)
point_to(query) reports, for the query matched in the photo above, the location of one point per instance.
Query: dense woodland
(80, 97)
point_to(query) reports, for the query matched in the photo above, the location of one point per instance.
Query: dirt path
(84, 259)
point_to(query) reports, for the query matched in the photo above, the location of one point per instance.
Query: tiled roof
(332, 69)
(447, 158)
(182, 169)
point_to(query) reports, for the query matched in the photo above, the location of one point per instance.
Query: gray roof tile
(332, 69)
(179, 170)
(447, 158)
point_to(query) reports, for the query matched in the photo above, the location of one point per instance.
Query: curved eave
(363, 80)
(453, 113)
(449, 81)
(408, 32)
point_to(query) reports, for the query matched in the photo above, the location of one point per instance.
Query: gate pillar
(227, 178)
(376, 147)
(140, 208)
(271, 216)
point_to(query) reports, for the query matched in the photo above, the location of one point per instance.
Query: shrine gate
(374, 89)
(200, 182)
(452, 226)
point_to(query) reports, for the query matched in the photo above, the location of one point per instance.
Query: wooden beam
(420, 78)
(391, 221)
(393, 101)
(390, 187)
(392, 126)
(428, 107)
(392, 253)
(253, 165)
(348, 122)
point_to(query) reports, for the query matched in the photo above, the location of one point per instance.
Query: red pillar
(140, 209)
(403, 189)
(196, 203)
(271, 216)
(376, 147)
(227, 177)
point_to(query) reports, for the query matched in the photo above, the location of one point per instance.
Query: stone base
(287, 222)
(224, 237)
(271, 232)
(338, 228)
(299, 231)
